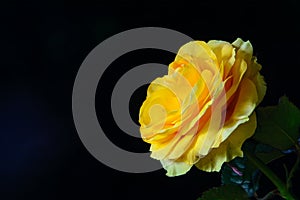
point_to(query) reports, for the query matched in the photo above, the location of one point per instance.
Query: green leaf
(242, 173)
(278, 126)
(267, 153)
(224, 192)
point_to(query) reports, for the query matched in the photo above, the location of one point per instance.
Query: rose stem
(270, 175)
(294, 168)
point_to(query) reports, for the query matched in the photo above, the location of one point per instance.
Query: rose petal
(175, 168)
(225, 54)
(199, 55)
(229, 149)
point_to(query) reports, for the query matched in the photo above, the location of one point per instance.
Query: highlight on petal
(225, 53)
(199, 55)
(175, 168)
(245, 47)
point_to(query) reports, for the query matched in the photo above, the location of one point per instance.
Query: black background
(43, 44)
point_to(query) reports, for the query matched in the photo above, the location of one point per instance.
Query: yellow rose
(202, 111)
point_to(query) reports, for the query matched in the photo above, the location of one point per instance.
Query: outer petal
(245, 52)
(245, 49)
(199, 55)
(253, 74)
(225, 54)
(238, 111)
(175, 168)
(260, 87)
(229, 149)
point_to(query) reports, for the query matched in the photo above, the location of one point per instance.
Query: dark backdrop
(43, 44)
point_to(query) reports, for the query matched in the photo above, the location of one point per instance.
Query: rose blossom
(202, 111)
